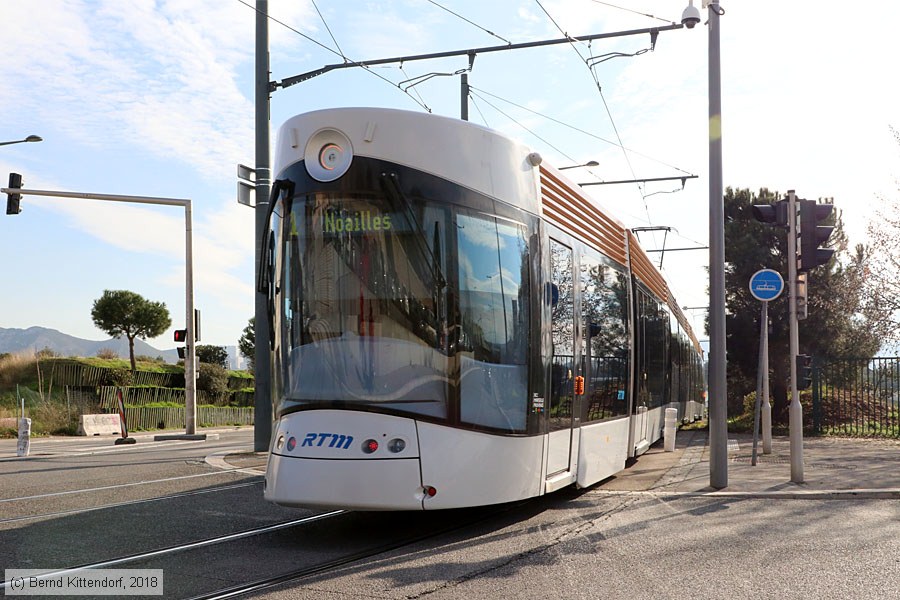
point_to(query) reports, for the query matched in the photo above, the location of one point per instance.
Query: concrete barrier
(99, 425)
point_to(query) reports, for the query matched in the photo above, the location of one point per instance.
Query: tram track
(142, 556)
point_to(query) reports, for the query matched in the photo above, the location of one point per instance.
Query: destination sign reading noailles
(363, 221)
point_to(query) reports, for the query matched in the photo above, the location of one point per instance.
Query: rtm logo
(337, 440)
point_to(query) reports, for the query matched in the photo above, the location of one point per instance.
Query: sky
(155, 98)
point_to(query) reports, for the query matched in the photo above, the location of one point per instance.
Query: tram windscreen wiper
(266, 254)
(392, 188)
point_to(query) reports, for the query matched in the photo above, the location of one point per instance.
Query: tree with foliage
(882, 263)
(838, 326)
(213, 355)
(247, 343)
(120, 312)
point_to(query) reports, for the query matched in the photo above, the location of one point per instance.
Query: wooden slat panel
(645, 271)
(570, 208)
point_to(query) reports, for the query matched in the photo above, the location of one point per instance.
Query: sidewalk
(832, 467)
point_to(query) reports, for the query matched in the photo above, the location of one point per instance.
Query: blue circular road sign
(766, 285)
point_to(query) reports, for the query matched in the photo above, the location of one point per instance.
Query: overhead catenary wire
(578, 129)
(327, 28)
(522, 126)
(488, 31)
(633, 11)
(338, 53)
(605, 105)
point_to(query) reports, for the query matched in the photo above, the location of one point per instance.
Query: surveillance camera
(690, 16)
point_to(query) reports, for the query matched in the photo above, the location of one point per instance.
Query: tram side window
(494, 321)
(654, 321)
(563, 336)
(659, 363)
(604, 302)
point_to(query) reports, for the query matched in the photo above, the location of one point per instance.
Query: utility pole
(262, 401)
(718, 407)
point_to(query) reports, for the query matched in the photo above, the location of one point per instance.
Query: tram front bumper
(349, 484)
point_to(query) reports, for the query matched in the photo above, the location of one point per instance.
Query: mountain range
(34, 339)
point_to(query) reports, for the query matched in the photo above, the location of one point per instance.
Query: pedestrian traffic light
(181, 335)
(773, 214)
(804, 371)
(181, 350)
(812, 234)
(12, 200)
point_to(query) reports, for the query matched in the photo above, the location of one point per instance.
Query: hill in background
(34, 339)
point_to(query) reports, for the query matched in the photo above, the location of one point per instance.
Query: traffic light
(804, 371)
(12, 200)
(181, 335)
(812, 234)
(181, 351)
(773, 214)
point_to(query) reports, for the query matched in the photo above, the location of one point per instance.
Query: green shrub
(119, 377)
(212, 379)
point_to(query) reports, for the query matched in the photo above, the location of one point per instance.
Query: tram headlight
(280, 443)
(396, 445)
(328, 154)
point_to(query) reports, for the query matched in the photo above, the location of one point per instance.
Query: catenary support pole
(262, 415)
(718, 407)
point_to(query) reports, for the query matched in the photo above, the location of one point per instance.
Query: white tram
(455, 323)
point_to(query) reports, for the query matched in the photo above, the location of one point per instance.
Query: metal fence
(857, 397)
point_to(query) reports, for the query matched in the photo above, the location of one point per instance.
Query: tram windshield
(406, 305)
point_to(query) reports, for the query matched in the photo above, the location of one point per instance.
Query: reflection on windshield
(407, 305)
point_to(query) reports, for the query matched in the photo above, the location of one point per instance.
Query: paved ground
(831, 466)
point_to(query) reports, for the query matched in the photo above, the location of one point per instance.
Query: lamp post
(590, 163)
(30, 138)
(718, 408)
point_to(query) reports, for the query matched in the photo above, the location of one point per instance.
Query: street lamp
(30, 138)
(590, 163)
(718, 419)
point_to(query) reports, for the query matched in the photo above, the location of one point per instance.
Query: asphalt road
(595, 543)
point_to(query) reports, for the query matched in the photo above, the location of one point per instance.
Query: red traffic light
(181, 335)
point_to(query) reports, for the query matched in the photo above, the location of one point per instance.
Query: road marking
(210, 542)
(128, 503)
(117, 486)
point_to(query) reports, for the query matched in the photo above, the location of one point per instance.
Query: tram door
(563, 365)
